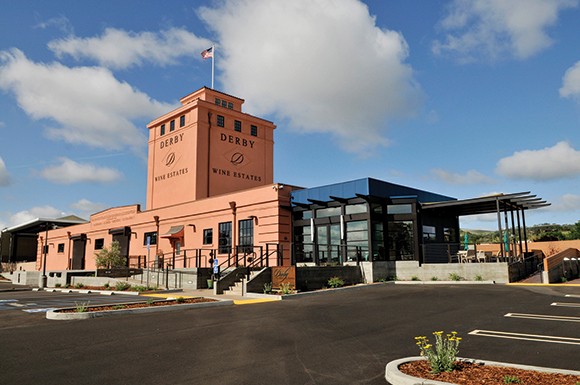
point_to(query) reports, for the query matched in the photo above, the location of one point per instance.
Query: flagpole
(212, 64)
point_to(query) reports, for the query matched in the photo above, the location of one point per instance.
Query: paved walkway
(207, 293)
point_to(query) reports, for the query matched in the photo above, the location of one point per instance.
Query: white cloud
(4, 175)
(470, 177)
(69, 171)
(566, 203)
(320, 66)
(85, 207)
(492, 29)
(559, 161)
(119, 49)
(62, 23)
(33, 213)
(571, 83)
(91, 106)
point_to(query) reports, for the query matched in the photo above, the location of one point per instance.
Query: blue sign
(215, 266)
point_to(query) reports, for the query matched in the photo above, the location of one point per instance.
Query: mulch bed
(468, 373)
(140, 305)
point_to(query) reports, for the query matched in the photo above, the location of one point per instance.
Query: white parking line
(8, 300)
(573, 295)
(526, 337)
(565, 304)
(38, 310)
(543, 317)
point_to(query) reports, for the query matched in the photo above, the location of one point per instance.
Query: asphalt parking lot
(340, 337)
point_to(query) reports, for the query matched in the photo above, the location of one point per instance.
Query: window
(400, 209)
(237, 126)
(218, 101)
(254, 130)
(230, 105)
(328, 212)
(182, 121)
(152, 238)
(429, 233)
(224, 103)
(60, 248)
(356, 209)
(225, 238)
(401, 241)
(207, 236)
(172, 126)
(220, 121)
(99, 243)
(163, 129)
(246, 235)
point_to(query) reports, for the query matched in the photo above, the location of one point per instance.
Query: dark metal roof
(489, 204)
(39, 224)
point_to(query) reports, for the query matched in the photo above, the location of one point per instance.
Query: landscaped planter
(71, 314)
(395, 377)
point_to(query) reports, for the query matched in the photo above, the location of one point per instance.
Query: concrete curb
(57, 315)
(395, 377)
(445, 282)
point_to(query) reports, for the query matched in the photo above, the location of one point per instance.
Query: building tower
(207, 147)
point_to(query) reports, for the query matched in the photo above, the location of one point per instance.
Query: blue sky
(463, 98)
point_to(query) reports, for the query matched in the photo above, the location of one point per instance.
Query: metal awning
(174, 232)
(488, 204)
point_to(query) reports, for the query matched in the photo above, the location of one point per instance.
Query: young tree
(110, 258)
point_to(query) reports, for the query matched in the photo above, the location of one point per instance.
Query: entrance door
(328, 243)
(78, 253)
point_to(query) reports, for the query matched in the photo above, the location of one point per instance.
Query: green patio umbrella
(466, 241)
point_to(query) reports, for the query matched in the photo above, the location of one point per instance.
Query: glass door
(328, 243)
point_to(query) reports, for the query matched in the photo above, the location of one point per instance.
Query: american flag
(207, 53)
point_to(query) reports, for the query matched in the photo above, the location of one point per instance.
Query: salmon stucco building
(210, 192)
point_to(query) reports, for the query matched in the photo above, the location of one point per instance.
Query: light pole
(43, 278)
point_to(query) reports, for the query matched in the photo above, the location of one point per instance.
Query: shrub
(267, 287)
(180, 300)
(478, 277)
(415, 278)
(106, 285)
(57, 285)
(118, 307)
(122, 286)
(111, 257)
(434, 278)
(443, 355)
(454, 277)
(79, 286)
(335, 282)
(139, 288)
(510, 380)
(150, 301)
(286, 288)
(82, 307)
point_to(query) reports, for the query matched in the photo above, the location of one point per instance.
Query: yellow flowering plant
(443, 355)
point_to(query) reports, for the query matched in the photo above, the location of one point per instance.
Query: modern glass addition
(357, 231)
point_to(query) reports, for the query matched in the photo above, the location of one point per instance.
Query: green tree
(110, 258)
(575, 231)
